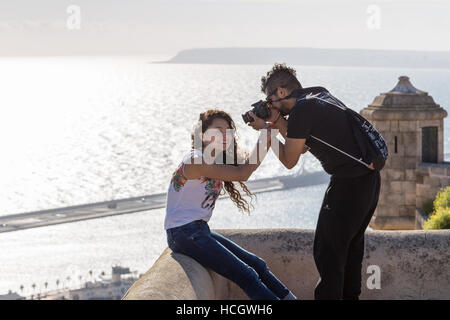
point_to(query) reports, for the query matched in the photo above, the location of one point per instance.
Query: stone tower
(412, 125)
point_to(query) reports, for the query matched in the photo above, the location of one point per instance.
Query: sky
(162, 28)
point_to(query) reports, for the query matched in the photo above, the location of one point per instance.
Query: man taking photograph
(318, 123)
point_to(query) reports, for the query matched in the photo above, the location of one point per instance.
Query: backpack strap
(337, 103)
(337, 149)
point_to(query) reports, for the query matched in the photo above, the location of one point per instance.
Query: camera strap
(331, 100)
(293, 94)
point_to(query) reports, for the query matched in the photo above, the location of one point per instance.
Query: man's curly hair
(280, 76)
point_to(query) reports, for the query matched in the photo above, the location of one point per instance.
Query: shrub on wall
(440, 218)
(442, 198)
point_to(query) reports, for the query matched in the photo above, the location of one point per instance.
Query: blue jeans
(226, 258)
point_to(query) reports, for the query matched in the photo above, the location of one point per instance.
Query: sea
(78, 130)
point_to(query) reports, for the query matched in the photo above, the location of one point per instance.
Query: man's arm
(281, 125)
(289, 152)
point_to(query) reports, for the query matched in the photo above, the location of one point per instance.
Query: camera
(260, 109)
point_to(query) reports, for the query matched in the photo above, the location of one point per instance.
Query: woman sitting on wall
(193, 190)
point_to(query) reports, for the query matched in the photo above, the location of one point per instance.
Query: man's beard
(283, 111)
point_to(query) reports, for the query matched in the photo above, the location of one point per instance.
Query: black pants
(347, 207)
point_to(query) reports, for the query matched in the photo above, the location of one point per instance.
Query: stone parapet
(412, 264)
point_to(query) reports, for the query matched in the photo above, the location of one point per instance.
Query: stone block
(420, 201)
(395, 174)
(410, 162)
(394, 125)
(410, 138)
(385, 187)
(393, 223)
(410, 199)
(387, 210)
(421, 217)
(397, 162)
(406, 126)
(423, 169)
(411, 150)
(407, 211)
(419, 178)
(441, 171)
(428, 123)
(395, 198)
(381, 209)
(445, 182)
(401, 150)
(396, 187)
(409, 186)
(384, 126)
(403, 126)
(410, 175)
(432, 192)
(432, 181)
(393, 210)
(422, 190)
(388, 137)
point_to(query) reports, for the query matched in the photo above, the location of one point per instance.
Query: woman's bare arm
(241, 172)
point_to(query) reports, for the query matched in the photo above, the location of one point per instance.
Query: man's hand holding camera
(257, 122)
(275, 120)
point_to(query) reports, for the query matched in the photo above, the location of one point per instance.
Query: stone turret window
(395, 146)
(430, 144)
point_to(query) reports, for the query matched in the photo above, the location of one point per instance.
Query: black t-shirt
(330, 124)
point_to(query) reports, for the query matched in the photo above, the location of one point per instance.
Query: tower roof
(404, 102)
(405, 86)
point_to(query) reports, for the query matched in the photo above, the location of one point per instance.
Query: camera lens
(260, 109)
(247, 118)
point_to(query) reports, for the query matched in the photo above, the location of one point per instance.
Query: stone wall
(409, 120)
(421, 217)
(431, 177)
(413, 265)
(397, 202)
(406, 181)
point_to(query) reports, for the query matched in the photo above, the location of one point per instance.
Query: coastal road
(42, 218)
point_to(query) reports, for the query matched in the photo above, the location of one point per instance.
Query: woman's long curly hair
(230, 156)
